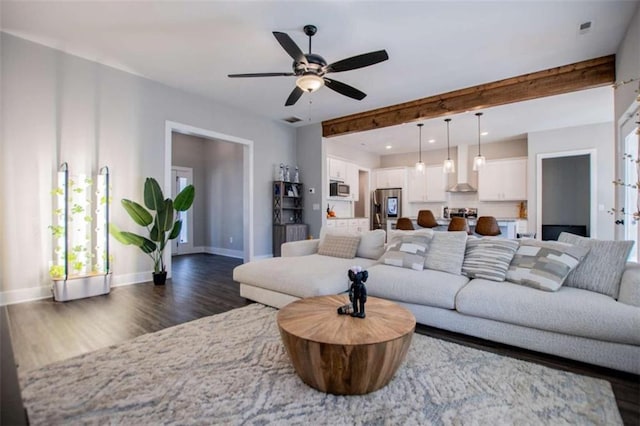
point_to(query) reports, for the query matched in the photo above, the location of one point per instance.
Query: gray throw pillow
(446, 251)
(601, 269)
(344, 246)
(544, 264)
(407, 251)
(488, 257)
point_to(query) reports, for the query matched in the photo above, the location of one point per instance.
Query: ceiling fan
(311, 68)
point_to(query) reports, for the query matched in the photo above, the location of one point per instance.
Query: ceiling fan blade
(359, 61)
(294, 96)
(290, 46)
(344, 89)
(263, 74)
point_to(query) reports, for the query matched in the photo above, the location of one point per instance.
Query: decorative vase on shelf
(296, 176)
(281, 172)
(287, 175)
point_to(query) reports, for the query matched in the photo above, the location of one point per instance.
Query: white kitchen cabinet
(390, 178)
(337, 169)
(353, 180)
(427, 187)
(503, 180)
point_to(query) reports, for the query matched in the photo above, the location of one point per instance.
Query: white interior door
(182, 177)
(631, 194)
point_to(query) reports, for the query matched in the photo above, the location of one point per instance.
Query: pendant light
(420, 164)
(448, 166)
(479, 159)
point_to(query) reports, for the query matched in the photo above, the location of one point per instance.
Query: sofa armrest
(630, 285)
(299, 248)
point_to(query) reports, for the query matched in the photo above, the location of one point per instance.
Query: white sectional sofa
(574, 323)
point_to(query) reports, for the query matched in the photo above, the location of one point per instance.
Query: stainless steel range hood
(463, 169)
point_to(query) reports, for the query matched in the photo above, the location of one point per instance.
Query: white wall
(57, 107)
(599, 137)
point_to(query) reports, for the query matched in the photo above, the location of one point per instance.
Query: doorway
(245, 193)
(566, 194)
(181, 177)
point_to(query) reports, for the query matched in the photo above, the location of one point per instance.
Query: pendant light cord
(478, 114)
(448, 149)
(420, 143)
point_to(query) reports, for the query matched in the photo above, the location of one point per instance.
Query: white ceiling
(434, 47)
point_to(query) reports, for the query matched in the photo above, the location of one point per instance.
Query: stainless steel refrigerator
(385, 204)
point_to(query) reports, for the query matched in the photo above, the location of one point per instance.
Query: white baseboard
(238, 254)
(11, 297)
(263, 256)
(192, 250)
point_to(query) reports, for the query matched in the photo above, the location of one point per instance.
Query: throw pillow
(446, 251)
(371, 242)
(544, 264)
(601, 270)
(407, 251)
(488, 257)
(344, 246)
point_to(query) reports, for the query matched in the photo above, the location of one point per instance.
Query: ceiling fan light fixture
(310, 82)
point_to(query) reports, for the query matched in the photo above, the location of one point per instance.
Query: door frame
(247, 184)
(593, 193)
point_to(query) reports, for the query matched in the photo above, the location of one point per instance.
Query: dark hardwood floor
(46, 331)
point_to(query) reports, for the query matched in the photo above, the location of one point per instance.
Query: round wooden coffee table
(340, 354)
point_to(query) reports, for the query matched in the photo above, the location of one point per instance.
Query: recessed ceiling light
(484, 133)
(388, 147)
(432, 140)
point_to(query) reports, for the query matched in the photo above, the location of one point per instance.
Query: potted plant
(160, 217)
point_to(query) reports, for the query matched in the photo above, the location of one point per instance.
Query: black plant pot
(159, 278)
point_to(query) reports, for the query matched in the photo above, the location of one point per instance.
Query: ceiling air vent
(585, 27)
(292, 119)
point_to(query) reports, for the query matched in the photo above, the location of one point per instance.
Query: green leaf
(117, 234)
(177, 227)
(153, 198)
(138, 213)
(154, 234)
(185, 198)
(165, 216)
(145, 244)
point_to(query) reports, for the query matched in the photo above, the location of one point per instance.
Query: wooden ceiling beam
(554, 81)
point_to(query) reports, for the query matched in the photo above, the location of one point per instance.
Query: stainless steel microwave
(339, 189)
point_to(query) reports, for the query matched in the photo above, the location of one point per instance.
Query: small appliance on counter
(467, 212)
(338, 189)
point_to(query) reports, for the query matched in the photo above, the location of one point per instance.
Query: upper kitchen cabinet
(503, 180)
(337, 169)
(390, 178)
(353, 179)
(427, 187)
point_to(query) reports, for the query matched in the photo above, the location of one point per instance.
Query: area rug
(232, 369)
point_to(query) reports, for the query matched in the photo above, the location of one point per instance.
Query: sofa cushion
(371, 242)
(601, 269)
(339, 246)
(569, 311)
(488, 257)
(302, 276)
(544, 264)
(427, 287)
(446, 252)
(407, 251)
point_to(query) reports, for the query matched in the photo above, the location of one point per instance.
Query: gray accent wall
(311, 158)
(58, 107)
(188, 151)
